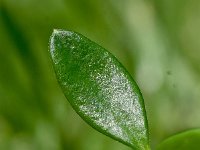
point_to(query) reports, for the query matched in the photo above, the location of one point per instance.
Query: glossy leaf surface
(188, 140)
(99, 88)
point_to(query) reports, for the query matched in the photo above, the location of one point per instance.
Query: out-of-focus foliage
(182, 141)
(158, 41)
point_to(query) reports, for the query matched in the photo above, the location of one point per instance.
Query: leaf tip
(60, 32)
(57, 31)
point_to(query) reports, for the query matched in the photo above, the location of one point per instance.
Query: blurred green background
(158, 41)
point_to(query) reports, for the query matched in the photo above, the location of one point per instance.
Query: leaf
(99, 88)
(188, 140)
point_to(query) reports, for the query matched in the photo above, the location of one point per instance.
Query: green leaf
(99, 88)
(188, 140)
